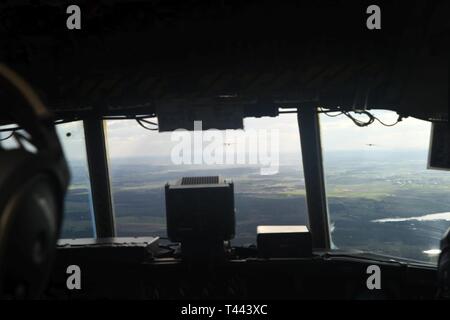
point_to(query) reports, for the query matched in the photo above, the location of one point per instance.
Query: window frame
(97, 158)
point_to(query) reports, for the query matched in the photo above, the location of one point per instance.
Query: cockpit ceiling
(135, 57)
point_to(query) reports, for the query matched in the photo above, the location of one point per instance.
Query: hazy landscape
(391, 204)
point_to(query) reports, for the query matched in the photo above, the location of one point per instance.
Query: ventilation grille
(199, 180)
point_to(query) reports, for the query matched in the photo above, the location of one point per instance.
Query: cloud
(127, 139)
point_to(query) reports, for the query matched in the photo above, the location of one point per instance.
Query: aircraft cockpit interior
(224, 150)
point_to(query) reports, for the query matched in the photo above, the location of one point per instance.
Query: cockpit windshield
(263, 161)
(381, 196)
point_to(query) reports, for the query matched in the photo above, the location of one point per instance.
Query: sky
(341, 133)
(127, 139)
